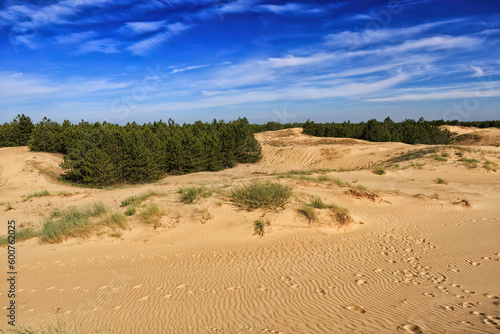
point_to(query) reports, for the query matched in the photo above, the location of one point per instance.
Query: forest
(102, 154)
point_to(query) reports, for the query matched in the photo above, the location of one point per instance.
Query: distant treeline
(408, 131)
(106, 154)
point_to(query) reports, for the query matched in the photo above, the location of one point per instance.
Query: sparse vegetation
(138, 199)
(259, 227)
(379, 170)
(9, 207)
(261, 195)
(440, 158)
(308, 212)
(71, 223)
(151, 214)
(441, 181)
(490, 165)
(469, 163)
(114, 220)
(40, 193)
(131, 210)
(191, 194)
(22, 234)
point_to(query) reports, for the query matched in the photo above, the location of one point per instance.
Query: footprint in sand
(138, 286)
(190, 292)
(456, 285)
(490, 296)
(294, 286)
(51, 288)
(181, 286)
(143, 298)
(117, 307)
(448, 308)
(167, 296)
(469, 292)
(233, 288)
(361, 282)
(460, 296)
(263, 289)
(356, 308)
(321, 292)
(411, 328)
(429, 294)
(76, 287)
(103, 287)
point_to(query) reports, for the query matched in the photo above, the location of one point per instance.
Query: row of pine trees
(106, 154)
(408, 131)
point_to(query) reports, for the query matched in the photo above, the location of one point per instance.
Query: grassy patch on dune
(261, 195)
(308, 210)
(22, 234)
(259, 227)
(151, 214)
(191, 194)
(41, 193)
(70, 223)
(138, 199)
(379, 170)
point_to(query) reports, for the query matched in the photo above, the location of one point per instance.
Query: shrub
(152, 214)
(98, 208)
(379, 170)
(318, 203)
(439, 158)
(191, 194)
(259, 227)
(342, 215)
(262, 195)
(308, 212)
(441, 181)
(114, 220)
(131, 210)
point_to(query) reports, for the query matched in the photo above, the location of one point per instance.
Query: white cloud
(139, 28)
(74, 38)
(478, 72)
(188, 68)
(146, 45)
(105, 45)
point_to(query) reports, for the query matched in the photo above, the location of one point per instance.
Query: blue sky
(283, 61)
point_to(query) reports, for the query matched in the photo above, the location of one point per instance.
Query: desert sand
(416, 259)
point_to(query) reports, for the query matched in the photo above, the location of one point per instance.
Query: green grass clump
(191, 194)
(379, 170)
(9, 207)
(22, 234)
(140, 198)
(259, 227)
(308, 212)
(470, 163)
(441, 181)
(40, 193)
(489, 165)
(361, 187)
(71, 223)
(440, 158)
(342, 215)
(114, 220)
(151, 214)
(131, 210)
(415, 154)
(318, 203)
(262, 195)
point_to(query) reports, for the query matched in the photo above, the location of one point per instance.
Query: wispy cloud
(146, 45)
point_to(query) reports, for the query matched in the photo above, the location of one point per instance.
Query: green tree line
(408, 131)
(105, 154)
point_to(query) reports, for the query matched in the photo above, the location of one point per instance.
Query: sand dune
(415, 259)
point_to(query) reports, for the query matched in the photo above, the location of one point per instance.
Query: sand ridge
(414, 260)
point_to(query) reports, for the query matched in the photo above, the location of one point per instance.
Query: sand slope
(415, 260)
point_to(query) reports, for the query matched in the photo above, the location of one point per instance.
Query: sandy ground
(415, 260)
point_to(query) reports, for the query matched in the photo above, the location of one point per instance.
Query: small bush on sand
(262, 195)
(441, 181)
(379, 170)
(259, 227)
(151, 214)
(308, 212)
(191, 194)
(131, 210)
(114, 220)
